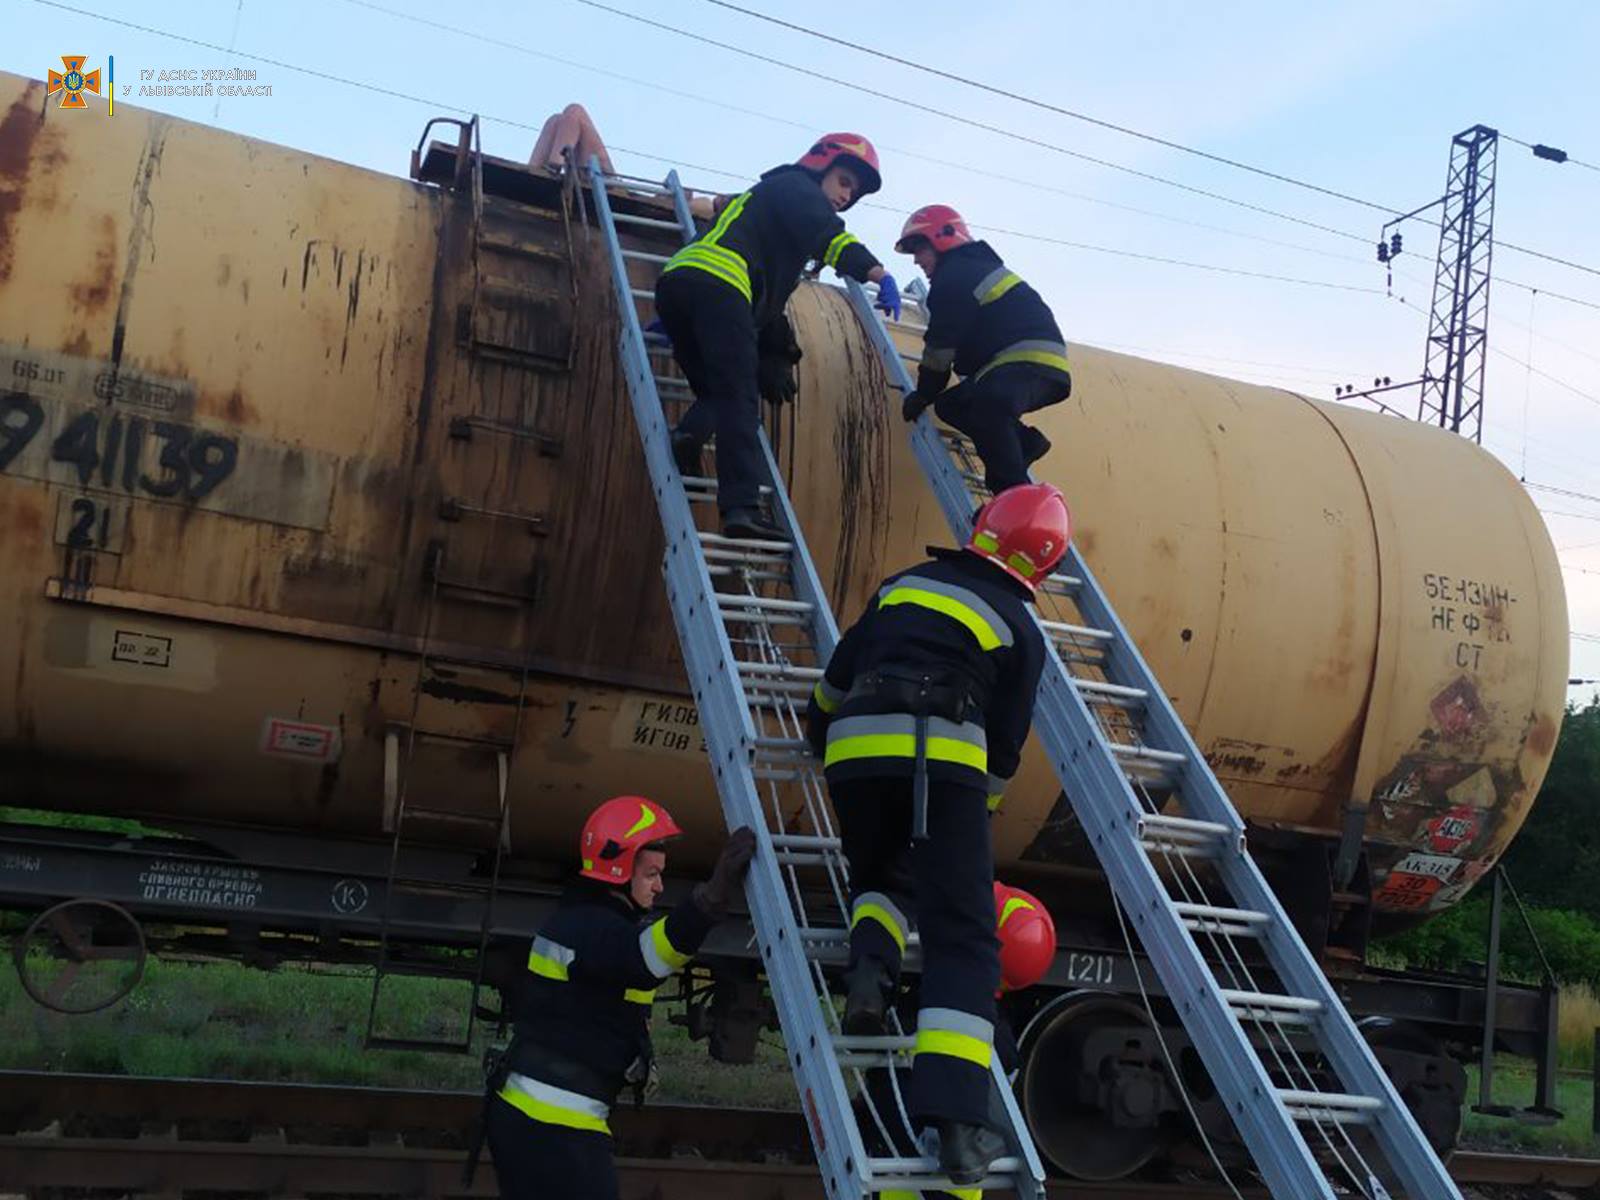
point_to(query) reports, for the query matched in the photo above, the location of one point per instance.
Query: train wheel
(1091, 1085)
(80, 956)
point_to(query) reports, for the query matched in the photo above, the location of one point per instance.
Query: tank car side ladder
(754, 647)
(1267, 1022)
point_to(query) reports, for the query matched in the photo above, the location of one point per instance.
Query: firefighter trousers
(989, 410)
(713, 336)
(946, 884)
(535, 1160)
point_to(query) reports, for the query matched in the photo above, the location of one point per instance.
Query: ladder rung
(670, 381)
(464, 739)
(922, 1174)
(1061, 584)
(1114, 695)
(1181, 829)
(643, 293)
(1077, 632)
(427, 1044)
(1339, 1107)
(643, 256)
(1211, 918)
(1289, 1010)
(649, 222)
(804, 841)
(445, 814)
(765, 603)
(709, 484)
(1148, 754)
(766, 544)
(416, 884)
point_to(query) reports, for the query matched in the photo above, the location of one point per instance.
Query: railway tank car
(299, 461)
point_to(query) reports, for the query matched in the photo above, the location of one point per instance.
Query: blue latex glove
(889, 297)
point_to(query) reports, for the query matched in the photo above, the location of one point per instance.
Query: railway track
(167, 1137)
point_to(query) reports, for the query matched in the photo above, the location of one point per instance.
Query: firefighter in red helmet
(721, 299)
(920, 718)
(997, 333)
(582, 1008)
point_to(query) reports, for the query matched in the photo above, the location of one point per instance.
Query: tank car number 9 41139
(164, 459)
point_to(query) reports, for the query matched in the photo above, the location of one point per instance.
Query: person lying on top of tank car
(721, 299)
(582, 1007)
(920, 718)
(996, 333)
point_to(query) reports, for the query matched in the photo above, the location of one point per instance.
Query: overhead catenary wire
(1049, 107)
(1569, 159)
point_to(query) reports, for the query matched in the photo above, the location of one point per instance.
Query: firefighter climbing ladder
(1304, 1090)
(754, 646)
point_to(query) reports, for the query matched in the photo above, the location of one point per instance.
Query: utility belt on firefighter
(925, 694)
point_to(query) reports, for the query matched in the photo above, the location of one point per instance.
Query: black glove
(817, 733)
(714, 895)
(913, 405)
(775, 379)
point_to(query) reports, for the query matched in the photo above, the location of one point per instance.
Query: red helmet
(1024, 531)
(845, 147)
(940, 224)
(616, 832)
(1027, 937)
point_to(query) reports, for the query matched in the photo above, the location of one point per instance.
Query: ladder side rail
(948, 489)
(817, 1073)
(730, 738)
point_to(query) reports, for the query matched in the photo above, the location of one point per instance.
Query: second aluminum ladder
(756, 630)
(1311, 1102)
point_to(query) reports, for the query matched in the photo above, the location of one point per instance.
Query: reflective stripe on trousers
(954, 1033)
(555, 1106)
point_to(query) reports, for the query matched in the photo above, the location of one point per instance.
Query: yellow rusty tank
(271, 426)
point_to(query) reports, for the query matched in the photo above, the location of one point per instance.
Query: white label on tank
(303, 740)
(127, 647)
(658, 725)
(1435, 865)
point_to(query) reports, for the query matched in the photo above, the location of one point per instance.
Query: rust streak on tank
(1542, 737)
(18, 130)
(94, 293)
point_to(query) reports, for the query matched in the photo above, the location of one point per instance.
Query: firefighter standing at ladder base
(998, 335)
(721, 300)
(920, 716)
(582, 1009)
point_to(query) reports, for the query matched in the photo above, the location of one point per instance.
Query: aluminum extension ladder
(754, 645)
(1303, 1088)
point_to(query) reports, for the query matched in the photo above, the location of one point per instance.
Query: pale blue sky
(1361, 97)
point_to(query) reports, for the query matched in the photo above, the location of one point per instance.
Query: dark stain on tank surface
(239, 410)
(352, 305)
(18, 131)
(1457, 710)
(141, 230)
(450, 689)
(78, 344)
(93, 294)
(1186, 636)
(1541, 738)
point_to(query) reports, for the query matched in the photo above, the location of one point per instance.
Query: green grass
(1513, 1085)
(225, 1021)
(67, 820)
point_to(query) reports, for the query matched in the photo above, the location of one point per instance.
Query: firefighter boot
(1034, 444)
(964, 1150)
(686, 452)
(751, 523)
(867, 999)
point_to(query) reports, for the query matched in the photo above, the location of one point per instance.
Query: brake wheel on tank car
(80, 956)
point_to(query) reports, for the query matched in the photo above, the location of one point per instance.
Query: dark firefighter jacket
(961, 620)
(582, 1008)
(981, 315)
(764, 239)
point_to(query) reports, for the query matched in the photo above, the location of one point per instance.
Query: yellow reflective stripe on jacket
(660, 955)
(555, 1106)
(995, 284)
(875, 906)
(894, 735)
(707, 255)
(836, 247)
(827, 696)
(640, 995)
(958, 1034)
(550, 960)
(1044, 354)
(959, 603)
